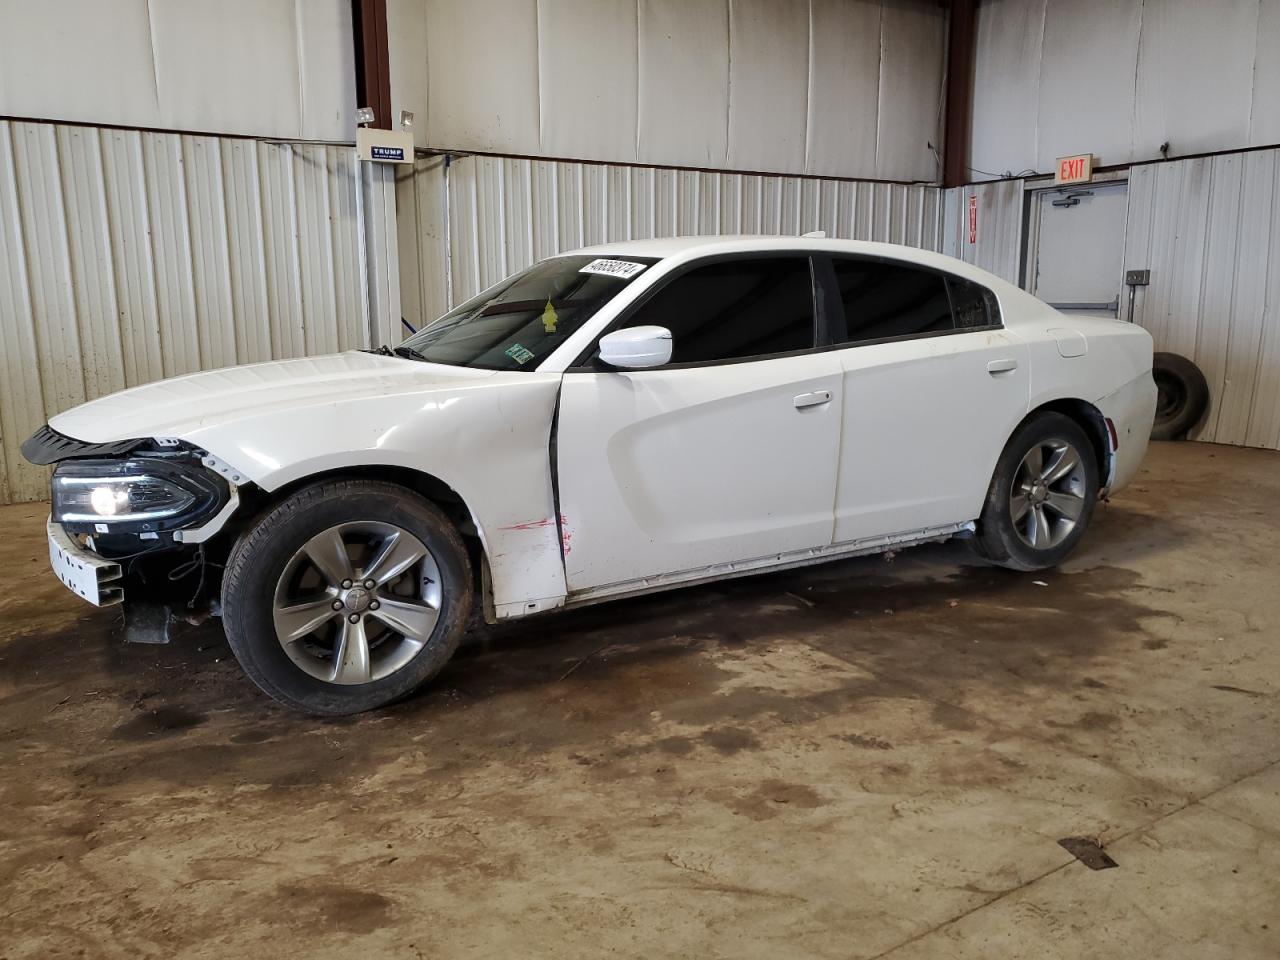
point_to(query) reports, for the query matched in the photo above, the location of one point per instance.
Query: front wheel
(346, 596)
(1041, 496)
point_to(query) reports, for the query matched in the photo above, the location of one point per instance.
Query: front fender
(488, 441)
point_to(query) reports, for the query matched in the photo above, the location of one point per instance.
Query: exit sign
(1077, 169)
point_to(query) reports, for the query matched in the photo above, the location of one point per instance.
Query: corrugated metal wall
(1120, 78)
(997, 242)
(127, 256)
(1209, 231)
(468, 223)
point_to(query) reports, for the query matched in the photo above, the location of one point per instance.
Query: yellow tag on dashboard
(549, 318)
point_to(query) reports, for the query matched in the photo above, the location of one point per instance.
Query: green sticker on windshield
(518, 353)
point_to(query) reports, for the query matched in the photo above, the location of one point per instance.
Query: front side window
(883, 300)
(734, 310)
(517, 324)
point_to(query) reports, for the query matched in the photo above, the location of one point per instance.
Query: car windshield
(518, 323)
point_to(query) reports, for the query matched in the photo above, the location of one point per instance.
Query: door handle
(812, 399)
(1007, 365)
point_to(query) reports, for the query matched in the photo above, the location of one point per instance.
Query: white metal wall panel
(1119, 78)
(587, 78)
(846, 88)
(844, 56)
(1208, 229)
(1195, 75)
(998, 239)
(768, 84)
(475, 220)
(126, 257)
(683, 67)
(1264, 122)
(1086, 88)
(912, 54)
(279, 68)
(482, 73)
(1005, 80)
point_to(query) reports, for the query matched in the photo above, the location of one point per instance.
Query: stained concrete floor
(874, 758)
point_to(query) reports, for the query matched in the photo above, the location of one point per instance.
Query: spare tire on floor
(1183, 396)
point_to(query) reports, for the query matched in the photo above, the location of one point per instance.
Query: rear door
(932, 387)
(728, 454)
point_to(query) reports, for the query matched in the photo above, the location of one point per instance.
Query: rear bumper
(1131, 410)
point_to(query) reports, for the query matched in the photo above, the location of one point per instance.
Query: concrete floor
(872, 758)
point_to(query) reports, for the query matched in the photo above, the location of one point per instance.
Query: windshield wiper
(401, 351)
(408, 353)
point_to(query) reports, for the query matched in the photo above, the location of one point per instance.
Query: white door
(1076, 261)
(705, 462)
(924, 423)
(932, 389)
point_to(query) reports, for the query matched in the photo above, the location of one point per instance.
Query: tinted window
(734, 309)
(889, 300)
(516, 324)
(973, 305)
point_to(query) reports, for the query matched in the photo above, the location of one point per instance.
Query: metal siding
(824, 87)
(1208, 229)
(128, 256)
(475, 220)
(271, 68)
(999, 236)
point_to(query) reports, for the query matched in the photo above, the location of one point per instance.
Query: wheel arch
(427, 485)
(1090, 419)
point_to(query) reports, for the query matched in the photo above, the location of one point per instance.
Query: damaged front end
(138, 522)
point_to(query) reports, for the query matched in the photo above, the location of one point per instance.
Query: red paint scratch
(565, 535)
(530, 525)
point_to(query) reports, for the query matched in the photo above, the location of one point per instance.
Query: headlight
(135, 495)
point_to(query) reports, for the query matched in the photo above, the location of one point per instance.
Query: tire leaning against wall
(1183, 396)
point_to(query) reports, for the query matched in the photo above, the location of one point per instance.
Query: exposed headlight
(139, 494)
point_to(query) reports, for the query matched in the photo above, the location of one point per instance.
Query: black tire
(998, 537)
(259, 558)
(1182, 398)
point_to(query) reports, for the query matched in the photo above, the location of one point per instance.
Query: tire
(354, 659)
(1183, 396)
(1044, 532)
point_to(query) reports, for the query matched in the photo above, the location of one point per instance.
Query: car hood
(183, 406)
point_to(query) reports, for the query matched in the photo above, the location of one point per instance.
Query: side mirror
(636, 348)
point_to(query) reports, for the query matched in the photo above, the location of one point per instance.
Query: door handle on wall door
(1007, 365)
(812, 399)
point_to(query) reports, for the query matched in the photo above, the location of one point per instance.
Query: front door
(728, 454)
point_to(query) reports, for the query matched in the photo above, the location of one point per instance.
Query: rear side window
(973, 305)
(884, 300)
(734, 310)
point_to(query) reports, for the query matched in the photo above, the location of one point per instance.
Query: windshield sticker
(518, 353)
(622, 269)
(549, 319)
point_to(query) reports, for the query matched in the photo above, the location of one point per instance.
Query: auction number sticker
(622, 269)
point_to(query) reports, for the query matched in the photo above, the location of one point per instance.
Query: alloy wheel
(357, 602)
(1046, 500)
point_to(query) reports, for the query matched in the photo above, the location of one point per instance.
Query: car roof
(688, 248)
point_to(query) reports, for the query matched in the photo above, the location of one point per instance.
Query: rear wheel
(346, 596)
(1041, 496)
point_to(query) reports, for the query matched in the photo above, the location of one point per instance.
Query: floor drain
(1088, 851)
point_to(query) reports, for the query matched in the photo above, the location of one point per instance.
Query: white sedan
(610, 422)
